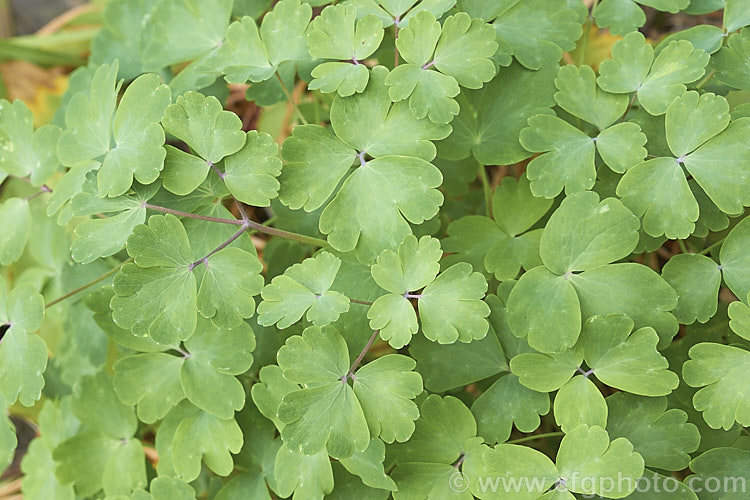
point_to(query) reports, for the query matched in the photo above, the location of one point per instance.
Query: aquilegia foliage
(429, 249)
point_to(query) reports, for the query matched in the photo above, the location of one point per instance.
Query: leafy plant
(382, 248)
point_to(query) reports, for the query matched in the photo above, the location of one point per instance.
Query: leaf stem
(683, 247)
(318, 242)
(350, 373)
(89, 284)
(221, 247)
(395, 39)
(290, 98)
(708, 249)
(44, 190)
(535, 436)
(630, 105)
(487, 190)
(589, 23)
(363, 302)
(706, 79)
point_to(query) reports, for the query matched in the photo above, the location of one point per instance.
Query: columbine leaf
(629, 289)
(326, 414)
(662, 437)
(587, 452)
(24, 151)
(451, 307)
(735, 15)
(304, 289)
(624, 360)
(424, 44)
(732, 62)
(696, 279)
(501, 247)
(211, 133)
(656, 80)
(15, 225)
(412, 268)
(250, 174)
(735, 259)
(718, 370)
(546, 372)
(579, 95)
(624, 16)
(579, 402)
(157, 294)
(334, 35)
(97, 406)
(538, 31)
(368, 465)
(307, 476)
(23, 355)
(492, 118)
(385, 388)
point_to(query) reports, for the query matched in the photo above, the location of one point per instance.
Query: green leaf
(579, 402)
(23, 355)
(368, 465)
(736, 15)
(251, 173)
(104, 237)
(621, 146)
(629, 362)
(491, 119)
(579, 95)
(138, 137)
(157, 295)
(183, 30)
(718, 370)
(507, 403)
(696, 279)
(538, 31)
(631, 289)
(304, 289)
(200, 121)
(568, 159)
(656, 80)
(727, 465)
(604, 232)
(544, 308)
(522, 473)
(326, 414)
(24, 151)
(664, 438)
(97, 406)
(451, 307)
(412, 268)
(739, 315)
(284, 30)
(546, 372)
(334, 35)
(423, 44)
(385, 388)
(268, 393)
(657, 190)
(731, 63)
(244, 54)
(15, 225)
(8, 440)
(201, 435)
(308, 476)
(587, 460)
(712, 111)
(734, 260)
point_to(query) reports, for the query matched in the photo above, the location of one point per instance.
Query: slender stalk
(589, 23)
(630, 105)
(536, 436)
(248, 225)
(708, 249)
(221, 247)
(38, 193)
(683, 247)
(350, 373)
(706, 79)
(363, 302)
(89, 284)
(487, 190)
(395, 39)
(290, 99)
(206, 218)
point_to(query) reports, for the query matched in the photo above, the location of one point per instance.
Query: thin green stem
(589, 23)
(708, 249)
(487, 190)
(89, 284)
(706, 79)
(683, 247)
(630, 105)
(350, 373)
(535, 436)
(248, 225)
(290, 99)
(363, 302)
(221, 247)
